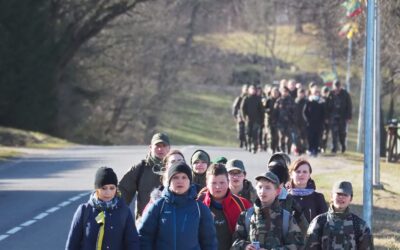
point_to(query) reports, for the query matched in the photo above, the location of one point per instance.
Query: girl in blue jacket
(177, 221)
(105, 221)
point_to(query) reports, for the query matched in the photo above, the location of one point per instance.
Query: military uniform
(285, 107)
(240, 125)
(272, 123)
(326, 127)
(342, 231)
(253, 113)
(340, 111)
(300, 124)
(248, 192)
(266, 228)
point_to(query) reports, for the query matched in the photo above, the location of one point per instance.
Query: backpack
(285, 220)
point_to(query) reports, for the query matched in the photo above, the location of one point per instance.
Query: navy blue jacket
(178, 222)
(119, 232)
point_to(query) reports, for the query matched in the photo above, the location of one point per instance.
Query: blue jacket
(178, 222)
(119, 232)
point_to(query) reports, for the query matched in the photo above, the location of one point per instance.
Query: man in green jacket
(143, 177)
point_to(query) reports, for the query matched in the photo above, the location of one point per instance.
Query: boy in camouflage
(339, 228)
(266, 225)
(238, 184)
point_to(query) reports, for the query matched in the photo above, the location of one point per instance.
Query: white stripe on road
(75, 198)
(28, 223)
(53, 209)
(63, 204)
(3, 236)
(14, 230)
(83, 194)
(42, 215)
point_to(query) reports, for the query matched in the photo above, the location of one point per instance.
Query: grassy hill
(201, 115)
(12, 139)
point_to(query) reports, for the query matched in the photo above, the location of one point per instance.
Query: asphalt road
(40, 192)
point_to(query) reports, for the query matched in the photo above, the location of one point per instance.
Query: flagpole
(369, 107)
(349, 54)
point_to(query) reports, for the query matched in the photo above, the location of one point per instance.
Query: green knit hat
(200, 155)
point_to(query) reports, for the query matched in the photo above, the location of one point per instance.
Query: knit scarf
(301, 191)
(157, 165)
(103, 207)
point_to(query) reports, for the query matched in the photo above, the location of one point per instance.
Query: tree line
(101, 71)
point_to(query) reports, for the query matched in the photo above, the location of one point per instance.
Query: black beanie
(279, 169)
(105, 176)
(280, 156)
(179, 167)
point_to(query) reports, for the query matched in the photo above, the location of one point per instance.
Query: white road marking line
(75, 198)
(28, 223)
(53, 209)
(84, 194)
(14, 230)
(41, 216)
(63, 204)
(3, 236)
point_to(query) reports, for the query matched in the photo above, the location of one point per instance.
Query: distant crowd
(291, 118)
(207, 204)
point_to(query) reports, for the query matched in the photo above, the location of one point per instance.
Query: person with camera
(142, 178)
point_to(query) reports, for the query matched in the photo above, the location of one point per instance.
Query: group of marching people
(291, 118)
(204, 204)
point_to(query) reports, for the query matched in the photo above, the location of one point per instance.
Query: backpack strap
(321, 221)
(140, 170)
(247, 216)
(356, 228)
(285, 222)
(239, 202)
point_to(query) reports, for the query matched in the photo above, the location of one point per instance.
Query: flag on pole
(328, 78)
(353, 8)
(348, 30)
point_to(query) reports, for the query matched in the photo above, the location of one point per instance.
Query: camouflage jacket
(248, 191)
(288, 202)
(268, 231)
(333, 230)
